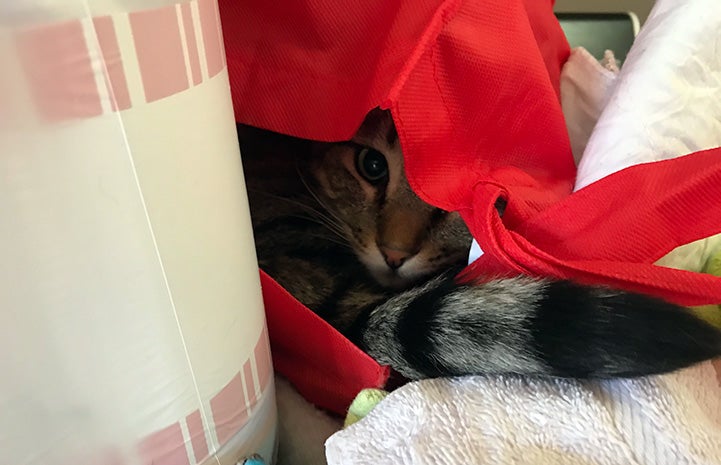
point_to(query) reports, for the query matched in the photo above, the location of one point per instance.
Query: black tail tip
(591, 332)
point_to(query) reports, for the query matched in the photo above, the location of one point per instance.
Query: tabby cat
(339, 227)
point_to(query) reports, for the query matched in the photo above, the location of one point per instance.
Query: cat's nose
(394, 257)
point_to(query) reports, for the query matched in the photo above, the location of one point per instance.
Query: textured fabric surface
(668, 420)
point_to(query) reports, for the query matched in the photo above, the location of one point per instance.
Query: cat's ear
(378, 122)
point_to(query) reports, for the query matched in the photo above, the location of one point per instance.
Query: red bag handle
(611, 231)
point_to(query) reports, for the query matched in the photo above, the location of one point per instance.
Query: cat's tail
(537, 327)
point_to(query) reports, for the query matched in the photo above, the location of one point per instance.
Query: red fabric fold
(638, 214)
(611, 231)
(314, 68)
(482, 105)
(325, 367)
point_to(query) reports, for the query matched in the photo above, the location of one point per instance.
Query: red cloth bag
(473, 89)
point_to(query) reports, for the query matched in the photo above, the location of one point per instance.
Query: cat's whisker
(332, 239)
(334, 228)
(330, 226)
(330, 221)
(282, 199)
(316, 197)
(323, 219)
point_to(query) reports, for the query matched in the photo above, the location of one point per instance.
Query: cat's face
(362, 185)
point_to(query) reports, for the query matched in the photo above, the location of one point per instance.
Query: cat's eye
(371, 164)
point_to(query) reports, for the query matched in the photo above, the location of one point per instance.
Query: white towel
(666, 420)
(666, 103)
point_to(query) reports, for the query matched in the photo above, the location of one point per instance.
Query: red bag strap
(611, 231)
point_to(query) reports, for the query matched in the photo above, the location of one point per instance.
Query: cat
(339, 227)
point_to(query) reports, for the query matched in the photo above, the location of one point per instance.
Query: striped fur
(378, 263)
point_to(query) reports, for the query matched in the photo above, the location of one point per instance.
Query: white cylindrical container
(132, 325)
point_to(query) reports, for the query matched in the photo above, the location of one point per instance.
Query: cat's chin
(392, 280)
(396, 280)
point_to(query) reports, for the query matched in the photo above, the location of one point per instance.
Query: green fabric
(711, 313)
(364, 402)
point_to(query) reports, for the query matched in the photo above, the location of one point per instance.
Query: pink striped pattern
(211, 38)
(197, 435)
(56, 59)
(57, 66)
(115, 79)
(164, 447)
(191, 42)
(263, 363)
(5, 102)
(249, 383)
(160, 55)
(261, 435)
(229, 410)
